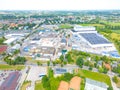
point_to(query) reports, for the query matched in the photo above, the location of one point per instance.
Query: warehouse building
(10, 41)
(11, 82)
(95, 85)
(86, 38)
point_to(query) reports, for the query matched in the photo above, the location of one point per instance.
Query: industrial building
(95, 85)
(10, 41)
(14, 35)
(44, 45)
(11, 82)
(86, 38)
(50, 27)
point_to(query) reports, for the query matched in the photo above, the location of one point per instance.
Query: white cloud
(59, 4)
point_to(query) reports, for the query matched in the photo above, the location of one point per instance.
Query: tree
(97, 58)
(116, 69)
(80, 62)
(20, 60)
(115, 79)
(86, 63)
(95, 65)
(48, 63)
(45, 82)
(16, 51)
(1, 40)
(54, 83)
(100, 69)
(68, 76)
(39, 63)
(110, 88)
(54, 63)
(62, 58)
(105, 70)
(105, 59)
(50, 73)
(69, 58)
(90, 68)
(62, 64)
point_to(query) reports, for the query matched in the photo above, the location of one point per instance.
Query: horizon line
(59, 10)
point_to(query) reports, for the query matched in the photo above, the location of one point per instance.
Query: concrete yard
(33, 75)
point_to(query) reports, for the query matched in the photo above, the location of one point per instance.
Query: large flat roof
(95, 84)
(10, 40)
(94, 38)
(11, 81)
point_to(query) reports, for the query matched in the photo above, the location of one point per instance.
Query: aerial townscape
(59, 49)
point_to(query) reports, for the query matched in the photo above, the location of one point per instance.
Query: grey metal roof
(96, 83)
(60, 70)
(94, 38)
(63, 40)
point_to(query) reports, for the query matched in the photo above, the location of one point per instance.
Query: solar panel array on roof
(35, 39)
(94, 38)
(60, 70)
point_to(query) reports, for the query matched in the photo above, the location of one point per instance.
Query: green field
(65, 26)
(38, 86)
(113, 24)
(11, 67)
(97, 25)
(82, 85)
(95, 76)
(116, 31)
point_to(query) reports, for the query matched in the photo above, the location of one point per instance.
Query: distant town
(60, 50)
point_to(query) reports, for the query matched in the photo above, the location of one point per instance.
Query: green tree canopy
(80, 62)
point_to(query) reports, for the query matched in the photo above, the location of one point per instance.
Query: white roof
(17, 46)
(82, 28)
(95, 85)
(9, 41)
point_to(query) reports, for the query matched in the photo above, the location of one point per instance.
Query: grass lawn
(65, 26)
(38, 86)
(95, 76)
(82, 85)
(25, 85)
(114, 24)
(115, 36)
(118, 83)
(116, 31)
(11, 67)
(97, 25)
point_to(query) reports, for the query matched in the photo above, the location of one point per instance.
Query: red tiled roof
(63, 85)
(75, 83)
(107, 66)
(3, 48)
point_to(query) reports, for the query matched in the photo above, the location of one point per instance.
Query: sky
(59, 4)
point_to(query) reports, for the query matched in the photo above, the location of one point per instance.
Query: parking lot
(34, 75)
